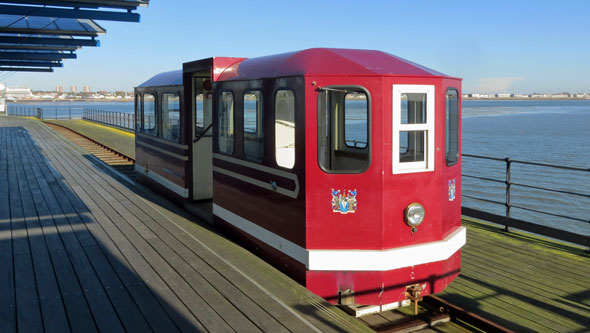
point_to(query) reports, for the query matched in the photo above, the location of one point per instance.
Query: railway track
(433, 311)
(118, 161)
(434, 315)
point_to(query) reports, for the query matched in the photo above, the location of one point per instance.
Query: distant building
(59, 89)
(18, 92)
(503, 95)
(72, 89)
(86, 89)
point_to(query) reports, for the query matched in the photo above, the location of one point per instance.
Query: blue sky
(499, 46)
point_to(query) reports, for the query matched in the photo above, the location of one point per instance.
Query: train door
(202, 142)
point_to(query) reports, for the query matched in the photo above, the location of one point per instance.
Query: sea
(555, 132)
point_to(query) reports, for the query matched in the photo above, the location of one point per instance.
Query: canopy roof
(36, 35)
(324, 61)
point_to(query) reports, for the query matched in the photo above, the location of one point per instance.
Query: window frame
(259, 124)
(138, 112)
(429, 128)
(274, 116)
(153, 131)
(447, 127)
(341, 145)
(218, 96)
(162, 99)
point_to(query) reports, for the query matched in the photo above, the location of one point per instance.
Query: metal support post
(508, 185)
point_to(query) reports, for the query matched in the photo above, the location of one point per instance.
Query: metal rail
(57, 112)
(508, 221)
(459, 314)
(122, 120)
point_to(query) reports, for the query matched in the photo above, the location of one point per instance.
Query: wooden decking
(525, 283)
(80, 251)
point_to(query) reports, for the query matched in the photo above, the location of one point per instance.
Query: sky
(495, 46)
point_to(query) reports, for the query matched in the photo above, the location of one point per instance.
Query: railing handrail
(564, 167)
(507, 220)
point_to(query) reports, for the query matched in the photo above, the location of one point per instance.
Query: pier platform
(80, 250)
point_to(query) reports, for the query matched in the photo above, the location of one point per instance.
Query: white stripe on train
(351, 260)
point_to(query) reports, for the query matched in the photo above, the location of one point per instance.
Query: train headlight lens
(414, 215)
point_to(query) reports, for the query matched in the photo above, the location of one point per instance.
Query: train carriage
(340, 167)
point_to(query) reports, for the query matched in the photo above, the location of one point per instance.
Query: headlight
(414, 214)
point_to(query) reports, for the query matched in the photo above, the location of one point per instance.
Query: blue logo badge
(452, 189)
(344, 202)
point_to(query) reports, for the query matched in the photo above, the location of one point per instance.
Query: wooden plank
(102, 312)
(468, 299)
(329, 323)
(525, 252)
(533, 272)
(539, 307)
(214, 288)
(209, 318)
(120, 210)
(75, 303)
(7, 293)
(493, 301)
(127, 310)
(52, 308)
(150, 280)
(28, 312)
(131, 317)
(272, 304)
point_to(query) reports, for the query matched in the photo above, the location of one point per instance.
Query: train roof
(316, 61)
(326, 61)
(171, 78)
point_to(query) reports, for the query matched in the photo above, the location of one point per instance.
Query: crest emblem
(344, 201)
(452, 189)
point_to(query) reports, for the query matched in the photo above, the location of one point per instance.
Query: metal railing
(509, 184)
(122, 120)
(57, 112)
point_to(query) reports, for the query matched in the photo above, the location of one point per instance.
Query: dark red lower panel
(378, 288)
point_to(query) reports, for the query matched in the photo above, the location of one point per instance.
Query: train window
(452, 127)
(225, 134)
(413, 126)
(203, 105)
(149, 114)
(285, 128)
(355, 120)
(171, 117)
(138, 113)
(253, 137)
(343, 129)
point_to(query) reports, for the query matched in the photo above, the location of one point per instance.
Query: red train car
(340, 167)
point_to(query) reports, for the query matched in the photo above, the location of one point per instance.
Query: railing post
(508, 185)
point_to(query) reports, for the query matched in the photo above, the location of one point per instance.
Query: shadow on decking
(472, 303)
(59, 269)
